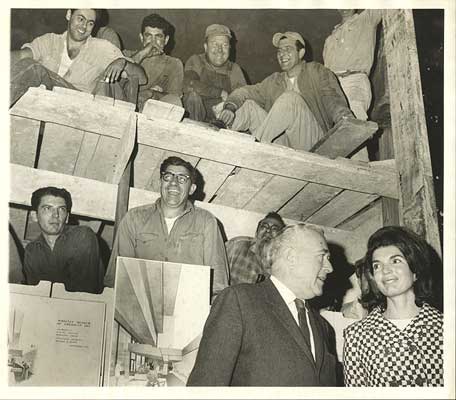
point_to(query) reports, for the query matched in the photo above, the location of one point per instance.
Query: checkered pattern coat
(377, 353)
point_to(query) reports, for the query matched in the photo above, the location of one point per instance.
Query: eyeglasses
(272, 228)
(168, 176)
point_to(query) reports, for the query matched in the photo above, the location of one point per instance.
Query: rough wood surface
(154, 109)
(343, 206)
(344, 137)
(23, 140)
(408, 124)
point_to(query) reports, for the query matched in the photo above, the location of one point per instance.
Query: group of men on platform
(294, 107)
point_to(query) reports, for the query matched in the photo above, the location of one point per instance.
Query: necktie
(303, 320)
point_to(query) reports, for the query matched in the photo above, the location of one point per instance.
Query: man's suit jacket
(251, 339)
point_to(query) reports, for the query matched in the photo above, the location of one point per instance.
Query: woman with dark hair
(400, 342)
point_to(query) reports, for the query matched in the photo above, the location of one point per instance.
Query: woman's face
(391, 272)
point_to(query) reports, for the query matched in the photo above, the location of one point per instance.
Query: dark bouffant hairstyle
(156, 21)
(173, 160)
(418, 255)
(38, 194)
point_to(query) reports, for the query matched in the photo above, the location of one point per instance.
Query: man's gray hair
(273, 247)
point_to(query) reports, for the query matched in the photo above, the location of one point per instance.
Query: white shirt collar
(287, 295)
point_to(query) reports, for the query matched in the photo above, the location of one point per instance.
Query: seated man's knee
(289, 97)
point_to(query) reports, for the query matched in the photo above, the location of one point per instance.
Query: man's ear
(34, 216)
(205, 46)
(141, 38)
(166, 39)
(192, 189)
(68, 15)
(290, 255)
(301, 53)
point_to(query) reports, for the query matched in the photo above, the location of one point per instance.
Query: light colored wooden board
(240, 187)
(23, 140)
(104, 159)
(42, 289)
(86, 153)
(214, 175)
(408, 123)
(341, 207)
(124, 150)
(145, 162)
(72, 109)
(101, 204)
(274, 194)
(268, 158)
(154, 109)
(343, 138)
(307, 201)
(206, 143)
(59, 148)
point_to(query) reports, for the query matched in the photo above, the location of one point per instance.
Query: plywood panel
(86, 153)
(274, 194)
(24, 139)
(104, 159)
(145, 162)
(240, 187)
(311, 198)
(343, 206)
(214, 175)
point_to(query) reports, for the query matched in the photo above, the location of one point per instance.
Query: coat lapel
(281, 311)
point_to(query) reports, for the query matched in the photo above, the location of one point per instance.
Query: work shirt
(95, 55)
(350, 47)
(378, 353)
(194, 239)
(207, 80)
(245, 264)
(74, 261)
(164, 71)
(317, 85)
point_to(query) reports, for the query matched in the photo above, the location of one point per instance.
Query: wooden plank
(23, 140)
(214, 175)
(307, 201)
(240, 187)
(71, 109)
(201, 142)
(343, 206)
(123, 194)
(104, 159)
(417, 199)
(18, 219)
(90, 198)
(373, 212)
(274, 194)
(263, 157)
(154, 109)
(125, 148)
(145, 162)
(101, 205)
(89, 144)
(59, 148)
(345, 137)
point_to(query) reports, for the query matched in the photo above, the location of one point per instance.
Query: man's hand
(157, 88)
(114, 70)
(152, 49)
(227, 116)
(224, 95)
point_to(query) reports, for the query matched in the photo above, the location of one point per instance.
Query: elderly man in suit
(265, 334)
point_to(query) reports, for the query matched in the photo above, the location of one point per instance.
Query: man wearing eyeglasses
(244, 253)
(172, 229)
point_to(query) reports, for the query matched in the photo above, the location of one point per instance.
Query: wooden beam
(408, 123)
(345, 137)
(267, 158)
(92, 198)
(125, 148)
(155, 109)
(197, 141)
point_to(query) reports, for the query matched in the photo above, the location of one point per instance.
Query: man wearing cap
(295, 107)
(210, 77)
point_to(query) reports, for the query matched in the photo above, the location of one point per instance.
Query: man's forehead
(87, 13)
(287, 42)
(313, 240)
(270, 221)
(52, 200)
(177, 169)
(218, 38)
(153, 30)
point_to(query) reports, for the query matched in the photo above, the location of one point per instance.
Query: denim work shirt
(194, 239)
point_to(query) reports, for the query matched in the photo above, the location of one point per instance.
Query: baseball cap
(289, 35)
(216, 29)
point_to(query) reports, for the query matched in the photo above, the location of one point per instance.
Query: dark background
(253, 30)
